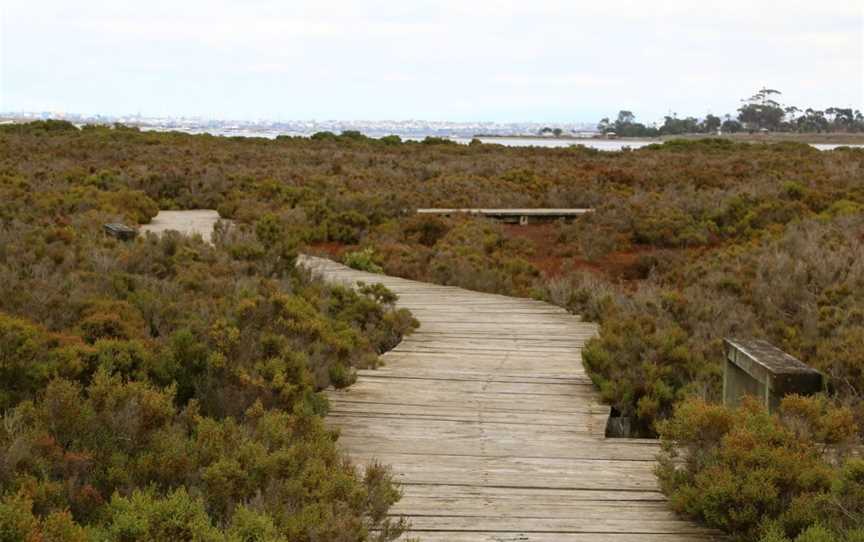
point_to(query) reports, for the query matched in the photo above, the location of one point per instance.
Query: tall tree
(761, 110)
(625, 117)
(711, 123)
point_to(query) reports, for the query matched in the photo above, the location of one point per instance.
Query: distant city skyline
(414, 129)
(547, 61)
(104, 117)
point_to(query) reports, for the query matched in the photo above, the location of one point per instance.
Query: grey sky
(504, 60)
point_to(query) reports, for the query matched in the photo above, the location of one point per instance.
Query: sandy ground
(186, 222)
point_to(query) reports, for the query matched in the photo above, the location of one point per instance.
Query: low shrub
(362, 260)
(752, 474)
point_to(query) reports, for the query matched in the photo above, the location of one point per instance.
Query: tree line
(760, 112)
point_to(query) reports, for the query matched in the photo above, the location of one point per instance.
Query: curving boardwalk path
(489, 421)
(492, 427)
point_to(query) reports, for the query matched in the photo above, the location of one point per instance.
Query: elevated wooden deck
(491, 425)
(522, 216)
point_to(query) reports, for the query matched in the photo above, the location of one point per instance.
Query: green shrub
(752, 474)
(391, 140)
(342, 376)
(425, 229)
(432, 140)
(362, 260)
(324, 136)
(643, 367)
(146, 516)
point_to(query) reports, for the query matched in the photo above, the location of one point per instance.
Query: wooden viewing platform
(492, 426)
(521, 216)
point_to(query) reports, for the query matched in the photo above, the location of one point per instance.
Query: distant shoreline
(776, 137)
(828, 138)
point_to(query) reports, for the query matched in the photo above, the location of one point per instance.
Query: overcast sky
(498, 60)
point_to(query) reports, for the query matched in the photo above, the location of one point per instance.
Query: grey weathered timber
(759, 369)
(493, 428)
(521, 216)
(120, 231)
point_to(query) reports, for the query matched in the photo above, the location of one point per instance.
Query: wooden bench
(757, 368)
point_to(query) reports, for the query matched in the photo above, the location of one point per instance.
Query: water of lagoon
(599, 144)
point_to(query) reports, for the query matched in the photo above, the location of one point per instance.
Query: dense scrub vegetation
(689, 242)
(801, 288)
(772, 478)
(168, 389)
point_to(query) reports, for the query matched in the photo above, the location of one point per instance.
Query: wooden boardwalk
(489, 421)
(491, 425)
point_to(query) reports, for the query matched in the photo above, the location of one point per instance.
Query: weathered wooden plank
(541, 536)
(525, 472)
(422, 386)
(527, 496)
(456, 374)
(494, 362)
(487, 442)
(504, 213)
(600, 521)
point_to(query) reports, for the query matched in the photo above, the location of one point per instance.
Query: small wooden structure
(120, 231)
(757, 368)
(513, 216)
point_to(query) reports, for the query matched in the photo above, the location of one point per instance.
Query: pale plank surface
(492, 426)
(508, 212)
(195, 222)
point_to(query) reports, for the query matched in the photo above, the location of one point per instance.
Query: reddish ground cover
(554, 258)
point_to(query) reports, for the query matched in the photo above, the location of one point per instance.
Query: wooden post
(756, 368)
